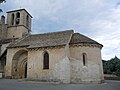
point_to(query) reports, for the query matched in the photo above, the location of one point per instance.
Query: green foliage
(1, 1)
(112, 66)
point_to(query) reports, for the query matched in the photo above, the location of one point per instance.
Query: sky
(97, 19)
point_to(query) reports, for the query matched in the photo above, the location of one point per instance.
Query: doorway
(19, 65)
(25, 74)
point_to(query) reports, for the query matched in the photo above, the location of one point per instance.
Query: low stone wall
(111, 77)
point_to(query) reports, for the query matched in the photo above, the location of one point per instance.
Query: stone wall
(92, 71)
(59, 69)
(23, 15)
(62, 68)
(16, 32)
(3, 48)
(10, 55)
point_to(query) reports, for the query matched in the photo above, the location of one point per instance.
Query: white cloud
(98, 19)
(108, 32)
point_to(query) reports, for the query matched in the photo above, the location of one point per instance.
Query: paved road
(6, 84)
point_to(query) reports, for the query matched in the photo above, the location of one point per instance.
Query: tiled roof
(44, 40)
(5, 41)
(81, 39)
(52, 39)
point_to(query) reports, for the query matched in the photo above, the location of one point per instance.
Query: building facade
(64, 56)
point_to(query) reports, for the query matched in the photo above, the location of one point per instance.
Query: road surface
(7, 84)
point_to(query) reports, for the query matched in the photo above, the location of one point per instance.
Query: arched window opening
(12, 19)
(84, 58)
(27, 21)
(17, 18)
(46, 61)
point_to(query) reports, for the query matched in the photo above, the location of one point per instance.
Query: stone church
(64, 56)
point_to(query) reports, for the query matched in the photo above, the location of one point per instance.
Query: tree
(112, 66)
(1, 1)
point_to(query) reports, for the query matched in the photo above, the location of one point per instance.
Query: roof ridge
(53, 32)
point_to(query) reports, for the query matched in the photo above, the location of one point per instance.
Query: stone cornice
(44, 48)
(19, 25)
(87, 45)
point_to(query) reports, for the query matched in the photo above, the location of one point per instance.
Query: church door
(25, 71)
(19, 65)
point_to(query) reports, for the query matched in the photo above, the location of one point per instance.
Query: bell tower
(19, 23)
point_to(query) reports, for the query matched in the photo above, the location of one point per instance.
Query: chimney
(3, 31)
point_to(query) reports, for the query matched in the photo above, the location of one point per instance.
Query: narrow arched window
(46, 61)
(17, 18)
(27, 21)
(84, 55)
(12, 19)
